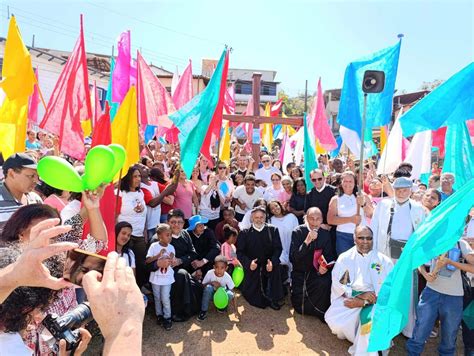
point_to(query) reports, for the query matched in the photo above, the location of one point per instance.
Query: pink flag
(133, 72)
(154, 101)
(70, 103)
(122, 71)
(174, 81)
(246, 126)
(184, 90)
(33, 104)
(322, 131)
(229, 100)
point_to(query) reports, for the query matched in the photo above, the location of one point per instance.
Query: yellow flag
(224, 149)
(319, 148)
(125, 129)
(383, 137)
(17, 71)
(13, 119)
(86, 127)
(267, 132)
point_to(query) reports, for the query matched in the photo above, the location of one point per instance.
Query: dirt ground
(258, 331)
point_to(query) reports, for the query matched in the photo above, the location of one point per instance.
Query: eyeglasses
(176, 222)
(276, 180)
(365, 238)
(266, 161)
(317, 179)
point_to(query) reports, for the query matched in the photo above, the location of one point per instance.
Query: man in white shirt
(244, 197)
(265, 173)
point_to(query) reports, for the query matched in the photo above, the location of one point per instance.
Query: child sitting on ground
(215, 278)
(228, 249)
(162, 253)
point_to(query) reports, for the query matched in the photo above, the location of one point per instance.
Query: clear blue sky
(299, 39)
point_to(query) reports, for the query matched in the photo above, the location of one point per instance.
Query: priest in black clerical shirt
(259, 249)
(311, 279)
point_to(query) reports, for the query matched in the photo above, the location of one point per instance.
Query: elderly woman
(343, 211)
(285, 196)
(356, 280)
(310, 280)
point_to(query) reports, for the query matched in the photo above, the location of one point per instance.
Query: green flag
(108, 97)
(459, 157)
(310, 161)
(436, 235)
(194, 118)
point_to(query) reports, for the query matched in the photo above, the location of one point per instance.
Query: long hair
(269, 211)
(295, 183)
(118, 227)
(340, 190)
(127, 179)
(22, 219)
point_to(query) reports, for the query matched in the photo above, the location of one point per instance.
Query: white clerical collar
(175, 236)
(258, 229)
(322, 188)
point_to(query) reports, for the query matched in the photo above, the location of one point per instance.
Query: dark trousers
(139, 248)
(239, 217)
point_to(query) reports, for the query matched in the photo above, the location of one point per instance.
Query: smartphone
(79, 262)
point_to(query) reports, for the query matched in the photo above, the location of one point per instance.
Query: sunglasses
(317, 179)
(365, 238)
(222, 167)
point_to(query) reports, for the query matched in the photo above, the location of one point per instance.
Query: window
(243, 88)
(268, 89)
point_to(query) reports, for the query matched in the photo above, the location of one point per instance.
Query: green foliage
(294, 106)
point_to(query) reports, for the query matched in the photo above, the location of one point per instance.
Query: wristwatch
(366, 302)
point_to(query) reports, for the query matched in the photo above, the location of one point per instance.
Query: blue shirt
(33, 146)
(445, 196)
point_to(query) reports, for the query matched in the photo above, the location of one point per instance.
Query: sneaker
(167, 324)
(160, 319)
(202, 316)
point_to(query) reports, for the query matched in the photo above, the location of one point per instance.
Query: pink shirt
(183, 198)
(55, 202)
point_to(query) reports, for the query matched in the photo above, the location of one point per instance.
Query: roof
(409, 98)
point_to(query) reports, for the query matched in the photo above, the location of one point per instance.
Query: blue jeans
(207, 296)
(344, 241)
(161, 294)
(164, 218)
(433, 305)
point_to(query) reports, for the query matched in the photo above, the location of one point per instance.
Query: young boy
(162, 253)
(215, 278)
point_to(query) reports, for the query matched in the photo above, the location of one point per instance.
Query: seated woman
(356, 280)
(310, 280)
(205, 244)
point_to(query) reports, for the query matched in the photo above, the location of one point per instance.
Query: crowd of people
(324, 243)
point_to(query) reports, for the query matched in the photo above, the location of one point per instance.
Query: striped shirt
(8, 204)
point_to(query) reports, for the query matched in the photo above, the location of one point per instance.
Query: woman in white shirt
(211, 202)
(286, 223)
(133, 210)
(344, 213)
(225, 186)
(123, 233)
(273, 192)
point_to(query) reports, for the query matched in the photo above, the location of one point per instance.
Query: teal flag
(459, 156)
(452, 102)
(436, 235)
(310, 161)
(194, 118)
(108, 97)
(379, 106)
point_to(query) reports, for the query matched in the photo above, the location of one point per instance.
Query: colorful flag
(229, 103)
(174, 81)
(310, 161)
(383, 136)
(113, 106)
(96, 107)
(450, 103)
(17, 84)
(183, 92)
(392, 155)
(122, 70)
(224, 149)
(194, 119)
(70, 103)
(33, 104)
(319, 123)
(436, 235)
(419, 154)
(286, 156)
(154, 101)
(267, 130)
(216, 123)
(459, 158)
(17, 71)
(379, 106)
(125, 129)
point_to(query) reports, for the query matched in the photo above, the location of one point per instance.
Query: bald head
(314, 218)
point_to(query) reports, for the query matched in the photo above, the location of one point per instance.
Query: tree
(431, 85)
(294, 106)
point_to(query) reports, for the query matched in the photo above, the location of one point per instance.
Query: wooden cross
(256, 120)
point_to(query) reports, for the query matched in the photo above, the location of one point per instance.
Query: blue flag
(459, 156)
(436, 235)
(452, 102)
(379, 106)
(310, 161)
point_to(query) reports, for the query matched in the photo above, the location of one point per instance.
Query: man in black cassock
(310, 281)
(259, 249)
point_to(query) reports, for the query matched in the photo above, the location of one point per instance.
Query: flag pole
(361, 157)
(118, 192)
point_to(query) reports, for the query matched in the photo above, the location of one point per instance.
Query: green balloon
(238, 275)
(99, 163)
(60, 174)
(221, 299)
(120, 155)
